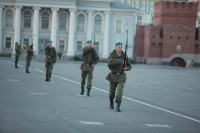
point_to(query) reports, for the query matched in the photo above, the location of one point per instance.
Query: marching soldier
(17, 53)
(50, 59)
(117, 76)
(29, 55)
(90, 58)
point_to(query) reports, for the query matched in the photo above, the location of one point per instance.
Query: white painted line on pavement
(39, 70)
(137, 101)
(153, 82)
(13, 80)
(91, 123)
(158, 125)
(185, 88)
(39, 93)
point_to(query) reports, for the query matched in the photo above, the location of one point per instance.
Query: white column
(54, 26)
(71, 32)
(36, 29)
(1, 27)
(17, 26)
(106, 35)
(89, 25)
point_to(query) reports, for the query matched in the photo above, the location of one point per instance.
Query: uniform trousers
(119, 86)
(89, 75)
(49, 67)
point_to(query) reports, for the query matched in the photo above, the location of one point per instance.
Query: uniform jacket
(17, 50)
(89, 56)
(50, 55)
(29, 52)
(115, 64)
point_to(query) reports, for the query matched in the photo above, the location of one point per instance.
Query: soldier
(50, 59)
(29, 55)
(117, 77)
(90, 58)
(17, 53)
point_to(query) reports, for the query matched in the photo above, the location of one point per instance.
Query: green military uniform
(29, 56)
(90, 57)
(50, 60)
(117, 77)
(17, 53)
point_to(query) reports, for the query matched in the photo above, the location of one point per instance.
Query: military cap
(118, 43)
(16, 42)
(89, 41)
(49, 41)
(26, 42)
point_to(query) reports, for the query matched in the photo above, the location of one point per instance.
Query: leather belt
(117, 73)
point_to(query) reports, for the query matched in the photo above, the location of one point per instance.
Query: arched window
(62, 21)
(139, 20)
(97, 23)
(80, 23)
(9, 18)
(45, 20)
(27, 19)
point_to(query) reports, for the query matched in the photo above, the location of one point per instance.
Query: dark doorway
(178, 62)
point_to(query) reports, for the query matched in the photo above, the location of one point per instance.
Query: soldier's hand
(125, 68)
(92, 65)
(93, 46)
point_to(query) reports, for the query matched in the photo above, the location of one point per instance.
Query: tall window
(79, 46)
(9, 18)
(119, 26)
(97, 23)
(8, 42)
(61, 45)
(62, 22)
(97, 47)
(27, 19)
(45, 20)
(80, 23)
(139, 20)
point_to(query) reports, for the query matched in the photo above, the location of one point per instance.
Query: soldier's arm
(96, 58)
(54, 57)
(128, 65)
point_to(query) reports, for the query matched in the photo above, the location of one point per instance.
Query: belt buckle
(118, 73)
(49, 56)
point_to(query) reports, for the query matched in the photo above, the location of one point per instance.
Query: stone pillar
(1, 27)
(89, 25)
(106, 34)
(54, 26)
(17, 26)
(71, 32)
(36, 29)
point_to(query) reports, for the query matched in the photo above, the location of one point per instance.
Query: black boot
(47, 78)
(118, 107)
(111, 104)
(27, 70)
(88, 92)
(16, 66)
(82, 90)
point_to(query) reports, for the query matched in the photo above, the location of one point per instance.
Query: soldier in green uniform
(117, 76)
(50, 59)
(29, 55)
(17, 53)
(90, 58)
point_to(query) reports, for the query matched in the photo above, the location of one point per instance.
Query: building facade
(173, 39)
(68, 23)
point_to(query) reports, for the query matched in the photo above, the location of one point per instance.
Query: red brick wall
(169, 44)
(139, 41)
(174, 13)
